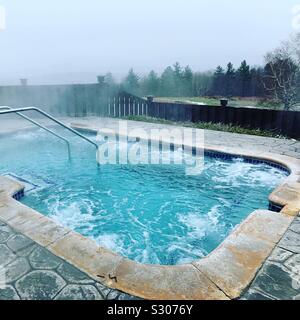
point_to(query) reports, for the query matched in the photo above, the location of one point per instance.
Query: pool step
(29, 186)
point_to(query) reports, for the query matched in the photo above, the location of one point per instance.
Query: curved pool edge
(224, 274)
(286, 196)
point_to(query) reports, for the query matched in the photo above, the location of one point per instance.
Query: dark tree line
(178, 81)
(278, 80)
(243, 82)
(175, 81)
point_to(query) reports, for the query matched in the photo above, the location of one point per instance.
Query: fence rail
(124, 105)
(96, 100)
(77, 100)
(282, 122)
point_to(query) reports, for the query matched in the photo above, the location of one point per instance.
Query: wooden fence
(60, 100)
(124, 105)
(278, 121)
(282, 122)
(98, 100)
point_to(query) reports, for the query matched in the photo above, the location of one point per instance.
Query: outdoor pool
(152, 214)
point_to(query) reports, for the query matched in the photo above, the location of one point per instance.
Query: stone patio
(279, 278)
(289, 147)
(31, 272)
(35, 273)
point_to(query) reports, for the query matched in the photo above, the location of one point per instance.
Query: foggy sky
(54, 41)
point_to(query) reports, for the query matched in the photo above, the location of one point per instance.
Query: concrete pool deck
(200, 275)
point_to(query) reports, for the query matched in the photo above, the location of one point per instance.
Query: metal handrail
(38, 124)
(51, 118)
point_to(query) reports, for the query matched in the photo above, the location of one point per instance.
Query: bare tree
(282, 73)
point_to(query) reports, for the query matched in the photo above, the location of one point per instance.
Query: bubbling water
(153, 214)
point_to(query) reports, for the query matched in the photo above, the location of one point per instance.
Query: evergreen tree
(229, 80)
(131, 83)
(176, 81)
(177, 71)
(151, 84)
(188, 81)
(218, 85)
(243, 79)
(178, 77)
(168, 83)
(109, 80)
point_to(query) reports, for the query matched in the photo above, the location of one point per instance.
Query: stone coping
(222, 275)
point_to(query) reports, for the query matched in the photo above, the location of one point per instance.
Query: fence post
(150, 100)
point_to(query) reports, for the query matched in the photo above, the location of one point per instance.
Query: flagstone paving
(32, 272)
(279, 278)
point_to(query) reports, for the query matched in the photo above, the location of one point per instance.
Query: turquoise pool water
(150, 213)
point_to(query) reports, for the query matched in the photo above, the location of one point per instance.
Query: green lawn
(234, 102)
